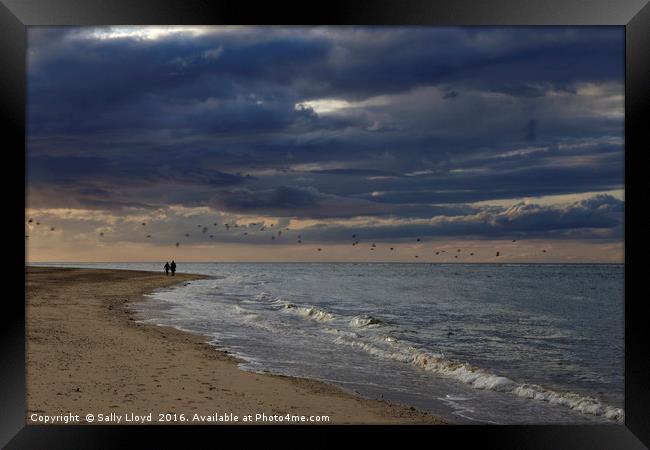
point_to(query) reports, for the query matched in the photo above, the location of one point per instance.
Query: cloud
(599, 217)
(280, 198)
(451, 95)
(600, 211)
(299, 202)
(395, 123)
(530, 130)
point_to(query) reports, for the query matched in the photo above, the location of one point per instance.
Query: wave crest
(310, 312)
(480, 379)
(364, 321)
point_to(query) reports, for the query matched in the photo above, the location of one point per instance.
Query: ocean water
(475, 343)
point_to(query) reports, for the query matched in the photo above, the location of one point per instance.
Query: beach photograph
(324, 225)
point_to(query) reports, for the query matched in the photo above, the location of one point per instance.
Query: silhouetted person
(173, 268)
(167, 266)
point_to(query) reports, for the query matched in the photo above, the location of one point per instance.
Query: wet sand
(86, 354)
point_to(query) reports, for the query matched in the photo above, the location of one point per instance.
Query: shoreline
(87, 354)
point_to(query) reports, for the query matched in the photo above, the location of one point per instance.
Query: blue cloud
(428, 121)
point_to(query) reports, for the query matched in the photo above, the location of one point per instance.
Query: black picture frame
(634, 15)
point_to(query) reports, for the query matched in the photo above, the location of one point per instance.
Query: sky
(269, 143)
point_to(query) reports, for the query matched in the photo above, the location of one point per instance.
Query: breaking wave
(364, 321)
(310, 312)
(478, 378)
(388, 347)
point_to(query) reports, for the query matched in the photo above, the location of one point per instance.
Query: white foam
(364, 321)
(478, 378)
(337, 332)
(309, 312)
(263, 296)
(388, 347)
(255, 320)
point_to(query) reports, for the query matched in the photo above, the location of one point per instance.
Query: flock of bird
(273, 234)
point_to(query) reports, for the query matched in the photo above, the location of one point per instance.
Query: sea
(472, 343)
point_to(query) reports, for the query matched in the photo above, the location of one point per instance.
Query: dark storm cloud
(598, 217)
(110, 205)
(281, 198)
(308, 202)
(514, 61)
(526, 182)
(77, 169)
(530, 130)
(65, 169)
(304, 202)
(326, 122)
(366, 172)
(451, 94)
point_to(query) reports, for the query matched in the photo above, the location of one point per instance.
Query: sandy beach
(87, 354)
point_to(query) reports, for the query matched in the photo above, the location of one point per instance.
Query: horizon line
(336, 262)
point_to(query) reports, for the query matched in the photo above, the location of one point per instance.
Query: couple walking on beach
(171, 267)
